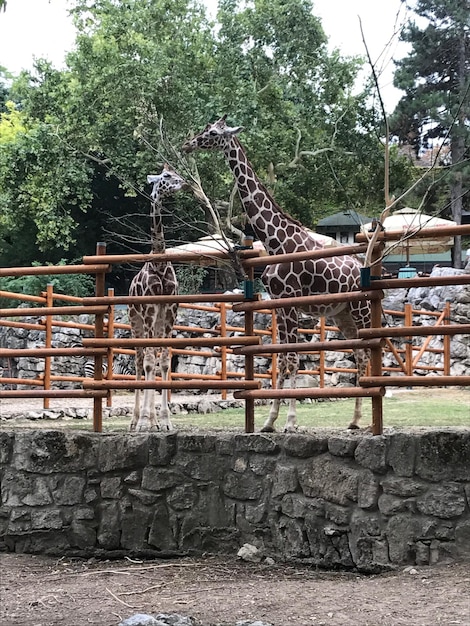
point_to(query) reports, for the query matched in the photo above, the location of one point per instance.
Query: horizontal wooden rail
(53, 393)
(173, 257)
(306, 301)
(415, 381)
(171, 342)
(54, 310)
(42, 352)
(307, 255)
(170, 384)
(33, 382)
(328, 392)
(203, 297)
(414, 331)
(418, 281)
(26, 325)
(315, 346)
(21, 296)
(42, 270)
(415, 232)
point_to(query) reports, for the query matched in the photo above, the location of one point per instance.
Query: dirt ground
(45, 591)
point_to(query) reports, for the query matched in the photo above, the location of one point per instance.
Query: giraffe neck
(278, 231)
(156, 229)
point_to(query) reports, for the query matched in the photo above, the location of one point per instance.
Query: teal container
(407, 272)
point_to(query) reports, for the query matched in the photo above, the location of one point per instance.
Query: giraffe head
(166, 183)
(215, 136)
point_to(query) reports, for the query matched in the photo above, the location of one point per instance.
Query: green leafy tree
(435, 78)
(76, 173)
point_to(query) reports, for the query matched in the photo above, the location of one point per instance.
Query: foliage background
(76, 145)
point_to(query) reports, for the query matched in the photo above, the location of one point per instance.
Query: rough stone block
(46, 519)
(49, 451)
(462, 539)
(161, 448)
(117, 452)
(335, 513)
(368, 490)
(402, 532)
(69, 490)
(284, 480)
(328, 478)
(371, 453)
(261, 465)
(344, 445)
(197, 443)
(22, 488)
(111, 487)
(6, 447)
(160, 535)
(135, 523)
(158, 478)
(290, 538)
(328, 544)
(304, 446)
(403, 486)
(256, 442)
(446, 501)
(245, 486)
(109, 529)
(182, 497)
(82, 535)
(444, 455)
(297, 505)
(390, 505)
(401, 453)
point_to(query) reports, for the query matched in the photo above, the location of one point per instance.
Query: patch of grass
(433, 407)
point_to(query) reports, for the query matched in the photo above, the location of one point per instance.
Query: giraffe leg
(139, 359)
(147, 419)
(165, 421)
(287, 325)
(268, 426)
(345, 322)
(288, 363)
(362, 358)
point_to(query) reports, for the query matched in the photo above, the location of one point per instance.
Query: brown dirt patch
(43, 591)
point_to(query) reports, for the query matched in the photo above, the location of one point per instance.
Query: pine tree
(435, 78)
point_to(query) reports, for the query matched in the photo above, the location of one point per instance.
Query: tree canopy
(78, 143)
(435, 77)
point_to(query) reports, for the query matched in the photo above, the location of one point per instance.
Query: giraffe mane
(269, 194)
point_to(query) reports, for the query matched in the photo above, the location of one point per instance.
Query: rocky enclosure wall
(330, 499)
(425, 299)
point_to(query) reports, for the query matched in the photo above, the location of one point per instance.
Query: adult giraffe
(154, 320)
(281, 234)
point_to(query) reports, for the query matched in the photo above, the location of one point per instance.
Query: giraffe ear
(234, 130)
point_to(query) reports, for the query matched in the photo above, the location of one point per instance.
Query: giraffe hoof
(353, 427)
(268, 429)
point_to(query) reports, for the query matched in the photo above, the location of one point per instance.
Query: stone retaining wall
(332, 499)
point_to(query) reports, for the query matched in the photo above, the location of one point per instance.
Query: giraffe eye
(213, 133)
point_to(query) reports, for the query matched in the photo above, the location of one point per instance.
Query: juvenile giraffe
(281, 234)
(154, 320)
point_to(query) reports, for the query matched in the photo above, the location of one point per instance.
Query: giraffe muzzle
(189, 146)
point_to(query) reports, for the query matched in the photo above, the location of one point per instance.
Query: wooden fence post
(376, 353)
(110, 350)
(48, 343)
(99, 333)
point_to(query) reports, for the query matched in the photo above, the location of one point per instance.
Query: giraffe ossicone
(154, 320)
(280, 233)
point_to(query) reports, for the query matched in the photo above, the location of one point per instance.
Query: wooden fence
(103, 344)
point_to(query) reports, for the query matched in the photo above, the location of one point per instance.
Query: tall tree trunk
(458, 151)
